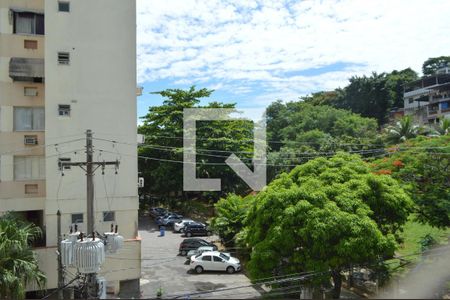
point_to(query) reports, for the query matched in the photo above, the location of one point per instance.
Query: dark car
(196, 229)
(192, 244)
(157, 211)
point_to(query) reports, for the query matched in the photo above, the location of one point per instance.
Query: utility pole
(60, 269)
(90, 166)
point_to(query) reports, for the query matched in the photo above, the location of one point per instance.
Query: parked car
(160, 219)
(192, 244)
(202, 249)
(215, 261)
(157, 211)
(196, 229)
(169, 221)
(178, 226)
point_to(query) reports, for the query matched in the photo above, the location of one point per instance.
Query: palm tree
(18, 264)
(443, 128)
(404, 129)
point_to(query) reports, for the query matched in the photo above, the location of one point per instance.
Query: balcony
(26, 69)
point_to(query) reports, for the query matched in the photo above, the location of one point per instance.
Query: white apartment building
(65, 67)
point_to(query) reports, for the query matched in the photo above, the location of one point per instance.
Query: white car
(179, 226)
(215, 261)
(202, 249)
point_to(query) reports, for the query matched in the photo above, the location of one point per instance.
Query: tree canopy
(422, 165)
(324, 214)
(431, 65)
(216, 140)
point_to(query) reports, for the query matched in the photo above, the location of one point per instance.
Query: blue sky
(255, 52)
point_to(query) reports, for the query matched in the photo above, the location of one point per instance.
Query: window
(109, 216)
(410, 100)
(217, 259)
(63, 159)
(29, 167)
(30, 44)
(30, 91)
(28, 23)
(77, 218)
(206, 258)
(64, 110)
(31, 189)
(29, 118)
(63, 58)
(63, 6)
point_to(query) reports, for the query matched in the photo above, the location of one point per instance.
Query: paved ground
(163, 268)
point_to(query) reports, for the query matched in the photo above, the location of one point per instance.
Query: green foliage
(422, 165)
(163, 130)
(403, 130)
(324, 214)
(18, 264)
(370, 96)
(431, 65)
(230, 216)
(308, 130)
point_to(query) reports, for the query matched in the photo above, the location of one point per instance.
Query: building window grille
(63, 58)
(77, 218)
(109, 216)
(29, 118)
(64, 110)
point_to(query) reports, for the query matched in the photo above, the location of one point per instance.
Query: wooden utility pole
(90, 166)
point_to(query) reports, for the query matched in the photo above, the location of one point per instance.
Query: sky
(255, 52)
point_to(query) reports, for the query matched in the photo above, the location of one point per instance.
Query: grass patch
(414, 234)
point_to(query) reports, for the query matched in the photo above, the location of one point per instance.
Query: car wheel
(183, 252)
(230, 270)
(198, 269)
(188, 234)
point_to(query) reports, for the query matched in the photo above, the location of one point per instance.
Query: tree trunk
(337, 279)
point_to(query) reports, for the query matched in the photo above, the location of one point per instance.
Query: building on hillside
(428, 99)
(65, 67)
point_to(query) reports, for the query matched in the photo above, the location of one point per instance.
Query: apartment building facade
(428, 99)
(65, 67)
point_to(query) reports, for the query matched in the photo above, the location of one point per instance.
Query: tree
(404, 129)
(216, 140)
(431, 65)
(18, 264)
(422, 165)
(370, 96)
(304, 130)
(395, 82)
(324, 215)
(230, 216)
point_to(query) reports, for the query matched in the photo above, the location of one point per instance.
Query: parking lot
(164, 269)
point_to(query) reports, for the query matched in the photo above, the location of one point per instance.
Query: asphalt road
(163, 268)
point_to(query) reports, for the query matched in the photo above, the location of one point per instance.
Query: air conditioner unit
(30, 140)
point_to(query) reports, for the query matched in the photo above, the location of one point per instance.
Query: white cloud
(237, 45)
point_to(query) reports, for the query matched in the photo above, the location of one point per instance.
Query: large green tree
(324, 215)
(216, 140)
(423, 166)
(18, 264)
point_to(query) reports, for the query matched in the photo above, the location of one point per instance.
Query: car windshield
(226, 257)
